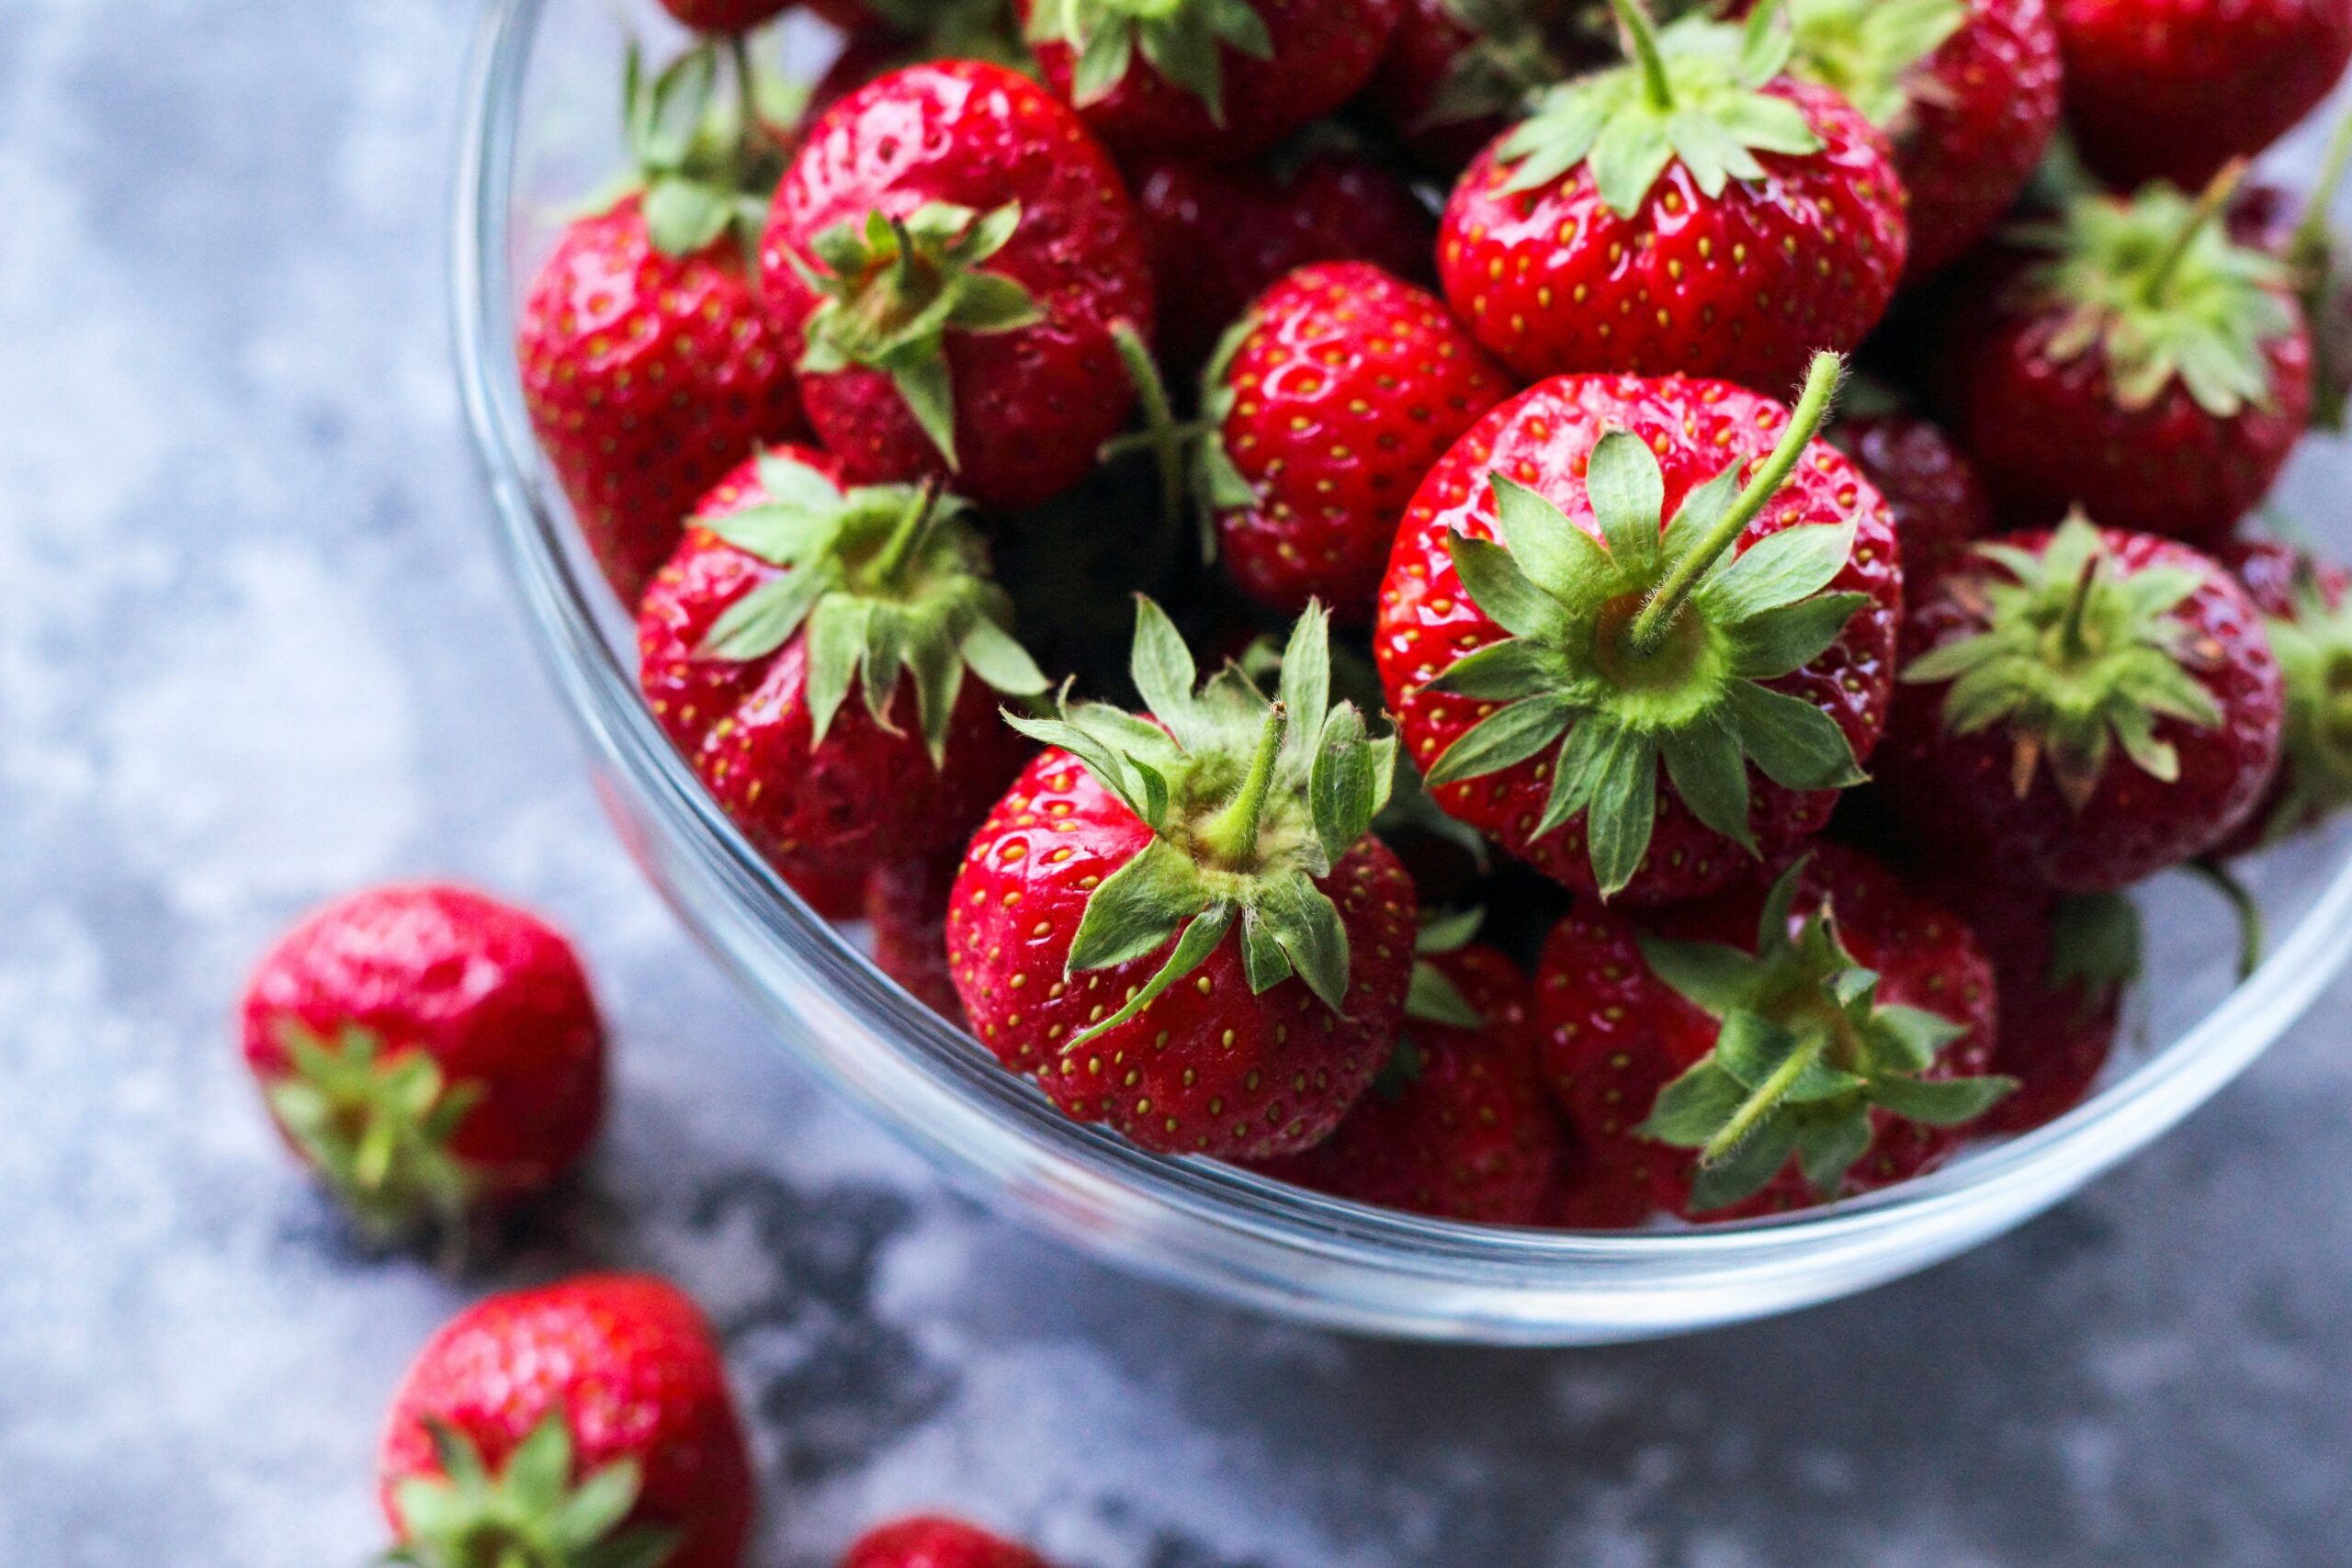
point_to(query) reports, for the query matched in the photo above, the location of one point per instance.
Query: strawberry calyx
(2315, 651)
(1867, 49)
(1249, 801)
(1178, 39)
(1510, 56)
(1690, 91)
(879, 581)
(1806, 1052)
(2073, 660)
(531, 1514)
(2095, 946)
(894, 287)
(376, 1123)
(1654, 644)
(1431, 996)
(703, 162)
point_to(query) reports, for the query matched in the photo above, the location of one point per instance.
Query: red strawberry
(1458, 1125)
(921, 360)
(906, 902)
(1457, 71)
(835, 892)
(928, 1541)
(648, 364)
(1220, 236)
(1694, 211)
(1341, 387)
(2308, 626)
(426, 1047)
(2093, 707)
(723, 15)
(789, 593)
(584, 1423)
(1838, 1049)
(1549, 656)
(1224, 79)
(1180, 925)
(2174, 89)
(1933, 492)
(2151, 371)
(1587, 1194)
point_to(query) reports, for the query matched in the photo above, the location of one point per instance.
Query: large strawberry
(1458, 71)
(1696, 210)
(929, 1540)
(788, 595)
(650, 367)
(2090, 707)
(1641, 632)
(1178, 924)
(426, 1047)
(1756, 1052)
(954, 249)
(1934, 495)
(582, 1425)
(1335, 394)
(2309, 622)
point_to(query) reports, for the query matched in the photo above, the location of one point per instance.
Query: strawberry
(788, 593)
(930, 1541)
(1221, 79)
(426, 1047)
(2092, 707)
(723, 15)
(1548, 652)
(1696, 210)
(582, 1425)
(1587, 1194)
(2174, 89)
(832, 891)
(2309, 625)
(1934, 495)
(2150, 370)
(650, 367)
(906, 903)
(921, 360)
(1457, 71)
(1337, 391)
(1458, 1125)
(1178, 924)
(2296, 230)
(1839, 1049)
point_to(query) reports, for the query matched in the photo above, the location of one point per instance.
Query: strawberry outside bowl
(538, 131)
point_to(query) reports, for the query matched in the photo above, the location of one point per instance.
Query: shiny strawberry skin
(1744, 287)
(1207, 1069)
(1347, 387)
(632, 1362)
(1938, 499)
(1472, 1136)
(869, 792)
(495, 996)
(1981, 113)
(647, 377)
(931, 1541)
(724, 15)
(1031, 404)
(2173, 89)
(1542, 438)
(1614, 1034)
(906, 903)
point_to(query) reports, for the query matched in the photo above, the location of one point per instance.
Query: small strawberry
(1837, 1050)
(649, 368)
(955, 249)
(787, 593)
(930, 1541)
(1696, 210)
(1457, 71)
(724, 15)
(582, 1425)
(2309, 622)
(2174, 89)
(1178, 924)
(906, 903)
(1222, 79)
(1336, 393)
(426, 1047)
(2092, 706)
(1936, 496)
(1609, 579)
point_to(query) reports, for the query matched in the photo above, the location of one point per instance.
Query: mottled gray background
(252, 650)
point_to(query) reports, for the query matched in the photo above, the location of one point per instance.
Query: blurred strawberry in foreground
(931, 1541)
(2309, 624)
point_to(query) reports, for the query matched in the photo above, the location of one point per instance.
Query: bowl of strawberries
(1528, 675)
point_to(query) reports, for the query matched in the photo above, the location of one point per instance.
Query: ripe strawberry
(1547, 654)
(1222, 79)
(1339, 390)
(834, 891)
(2174, 89)
(1696, 210)
(2151, 370)
(723, 15)
(1458, 1125)
(650, 367)
(1838, 1050)
(1936, 496)
(575, 1426)
(2093, 707)
(2309, 624)
(1092, 933)
(787, 593)
(426, 1047)
(1587, 1194)
(921, 361)
(906, 902)
(928, 1541)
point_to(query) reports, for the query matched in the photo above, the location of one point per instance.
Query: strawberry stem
(1641, 44)
(1166, 438)
(2072, 644)
(1761, 1101)
(2209, 202)
(1232, 834)
(2309, 247)
(2242, 903)
(906, 533)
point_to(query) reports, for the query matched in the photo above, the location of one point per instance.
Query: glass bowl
(539, 131)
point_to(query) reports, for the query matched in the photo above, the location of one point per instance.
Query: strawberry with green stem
(2307, 614)
(2298, 230)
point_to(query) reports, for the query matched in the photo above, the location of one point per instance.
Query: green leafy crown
(376, 1122)
(1653, 645)
(879, 579)
(1867, 49)
(704, 161)
(1250, 803)
(2076, 659)
(1431, 997)
(1806, 1054)
(1511, 55)
(1178, 39)
(529, 1515)
(2314, 649)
